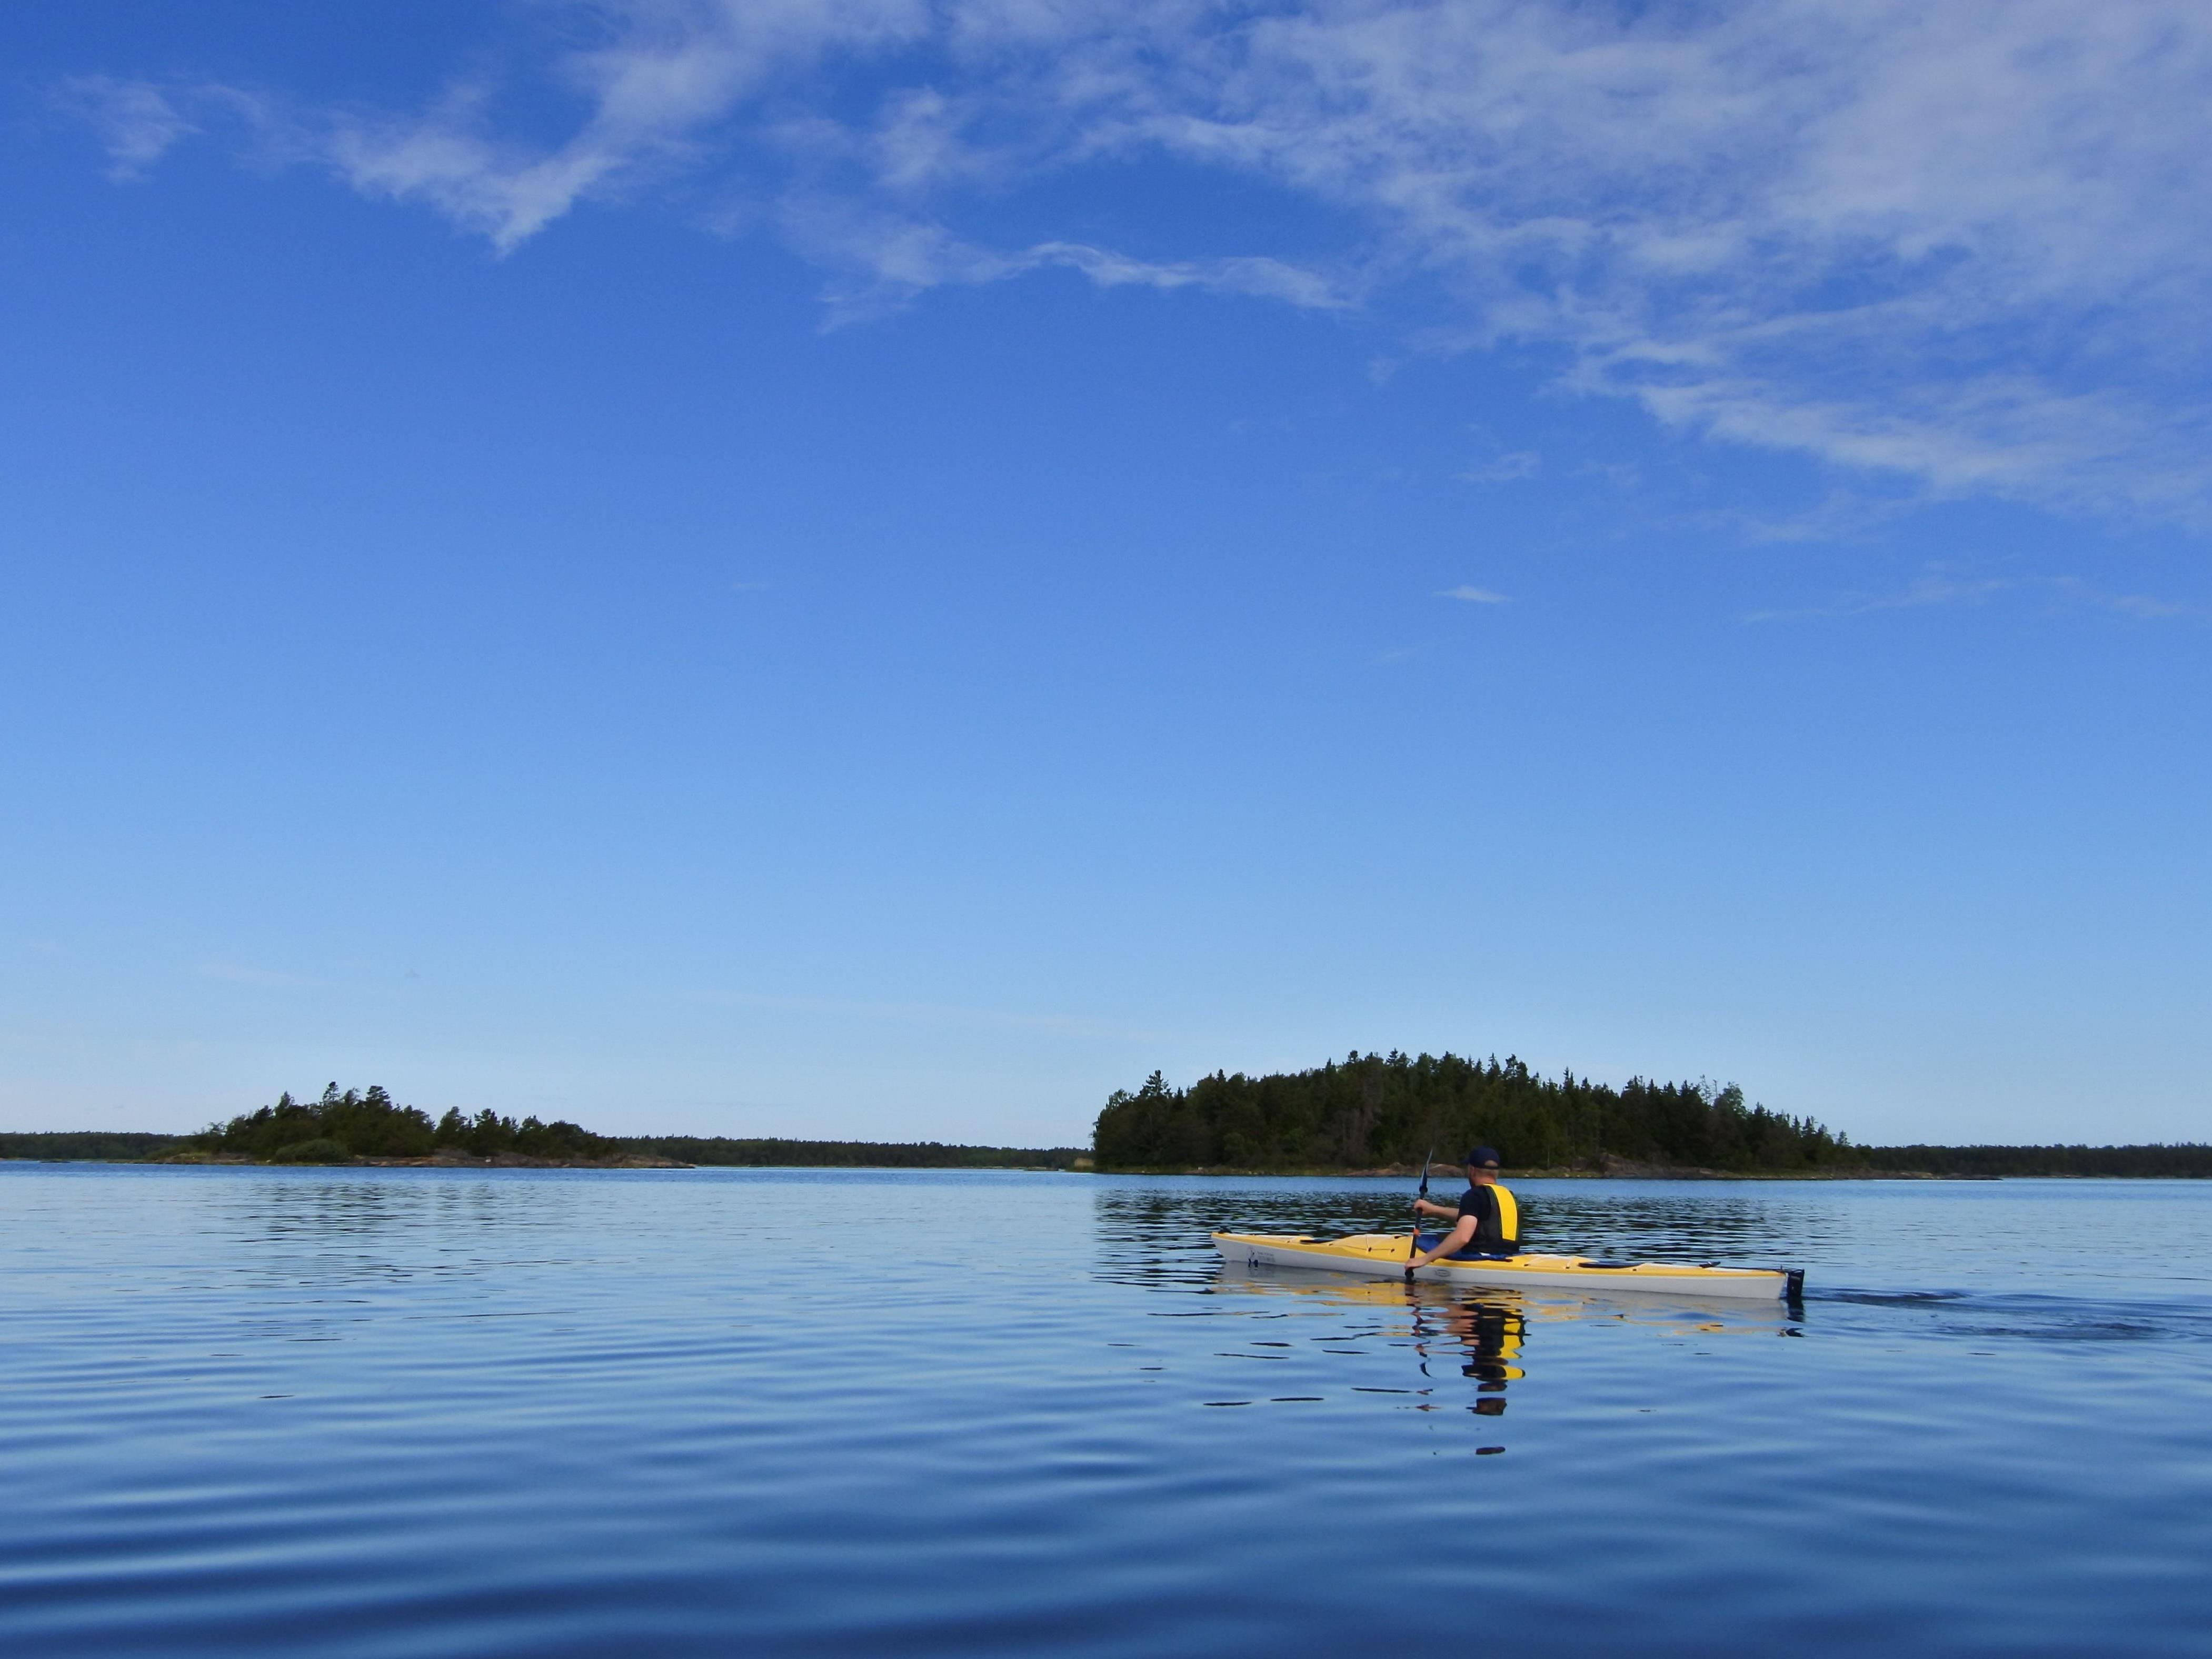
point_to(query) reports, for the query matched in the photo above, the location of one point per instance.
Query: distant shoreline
(613, 1152)
(2186, 1162)
(435, 1161)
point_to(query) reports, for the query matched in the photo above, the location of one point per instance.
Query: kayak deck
(1378, 1255)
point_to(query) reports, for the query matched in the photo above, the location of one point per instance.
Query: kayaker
(1487, 1219)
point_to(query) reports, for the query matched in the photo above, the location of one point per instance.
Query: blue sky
(883, 569)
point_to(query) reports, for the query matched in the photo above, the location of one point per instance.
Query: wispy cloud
(1937, 586)
(1959, 246)
(894, 260)
(1474, 595)
(2145, 606)
(1503, 469)
(135, 122)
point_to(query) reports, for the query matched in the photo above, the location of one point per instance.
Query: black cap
(1484, 1155)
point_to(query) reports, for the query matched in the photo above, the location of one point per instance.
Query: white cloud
(1953, 243)
(136, 122)
(1474, 595)
(1961, 246)
(1273, 279)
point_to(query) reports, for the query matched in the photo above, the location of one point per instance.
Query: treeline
(725, 1153)
(371, 1124)
(1376, 1110)
(2188, 1161)
(1362, 1113)
(88, 1145)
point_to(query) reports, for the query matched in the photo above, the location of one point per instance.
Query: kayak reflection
(1491, 1333)
(1482, 1334)
(1481, 1337)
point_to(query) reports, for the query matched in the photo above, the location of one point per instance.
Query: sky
(882, 568)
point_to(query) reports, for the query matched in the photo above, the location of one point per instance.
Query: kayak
(1380, 1255)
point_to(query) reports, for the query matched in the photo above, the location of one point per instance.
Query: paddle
(1413, 1244)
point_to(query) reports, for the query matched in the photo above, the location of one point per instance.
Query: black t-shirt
(1481, 1203)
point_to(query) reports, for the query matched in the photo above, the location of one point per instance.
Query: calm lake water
(429, 1412)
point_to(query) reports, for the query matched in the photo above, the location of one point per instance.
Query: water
(430, 1413)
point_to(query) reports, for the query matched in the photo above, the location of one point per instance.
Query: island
(368, 1127)
(1382, 1114)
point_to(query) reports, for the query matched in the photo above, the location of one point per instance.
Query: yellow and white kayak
(1380, 1255)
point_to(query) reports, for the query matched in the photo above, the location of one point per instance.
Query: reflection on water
(1164, 1235)
(1737, 1232)
(419, 1412)
(1382, 1343)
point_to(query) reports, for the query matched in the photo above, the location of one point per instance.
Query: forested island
(1386, 1111)
(1389, 1110)
(368, 1126)
(344, 1128)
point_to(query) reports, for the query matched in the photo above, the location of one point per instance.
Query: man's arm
(1458, 1239)
(1426, 1207)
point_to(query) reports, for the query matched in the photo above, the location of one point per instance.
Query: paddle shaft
(1413, 1244)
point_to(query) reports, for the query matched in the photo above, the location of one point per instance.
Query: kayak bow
(1382, 1254)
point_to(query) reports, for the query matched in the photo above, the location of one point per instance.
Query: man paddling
(1487, 1219)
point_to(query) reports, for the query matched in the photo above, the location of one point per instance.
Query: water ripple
(427, 1412)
